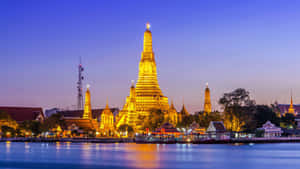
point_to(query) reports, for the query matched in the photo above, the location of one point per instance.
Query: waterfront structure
(270, 130)
(128, 114)
(147, 94)
(207, 101)
(107, 120)
(216, 130)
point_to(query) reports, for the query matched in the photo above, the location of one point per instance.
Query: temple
(107, 121)
(86, 122)
(291, 109)
(172, 115)
(182, 113)
(147, 95)
(207, 101)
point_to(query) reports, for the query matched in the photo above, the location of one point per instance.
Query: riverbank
(141, 141)
(73, 140)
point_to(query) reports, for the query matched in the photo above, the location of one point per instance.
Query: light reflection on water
(146, 156)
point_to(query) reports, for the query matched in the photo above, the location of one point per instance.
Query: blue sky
(229, 44)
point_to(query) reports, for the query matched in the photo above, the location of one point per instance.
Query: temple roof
(184, 111)
(20, 114)
(78, 113)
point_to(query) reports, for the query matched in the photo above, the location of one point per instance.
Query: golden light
(148, 25)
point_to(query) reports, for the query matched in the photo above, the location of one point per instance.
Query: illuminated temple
(147, 94)
(207, 101)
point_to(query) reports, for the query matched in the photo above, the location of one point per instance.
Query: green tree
(52, 122)
(35, 127)
(187, 120)
(206, 118)
(288, 121)
(238, 109)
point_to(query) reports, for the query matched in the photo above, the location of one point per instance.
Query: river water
(149, 156)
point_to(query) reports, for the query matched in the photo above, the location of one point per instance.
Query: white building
(270, 130)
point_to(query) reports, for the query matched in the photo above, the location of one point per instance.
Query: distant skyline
(227, 44)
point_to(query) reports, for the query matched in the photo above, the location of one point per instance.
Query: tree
(126, 128)
(52, 122)
(187, 120)
(206, 118)
(154, 120)
(288, 121)
(265, 113)
(238, 109)
(35, 127)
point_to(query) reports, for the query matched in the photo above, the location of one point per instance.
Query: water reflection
(8, 144)
(86, 153)
(143, 155)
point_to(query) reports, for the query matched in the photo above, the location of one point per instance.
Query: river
(148, 156)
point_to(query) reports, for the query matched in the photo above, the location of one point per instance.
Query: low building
(167, 129)
(216, 130)
(21, 114)
(270, 130)
(196, 129)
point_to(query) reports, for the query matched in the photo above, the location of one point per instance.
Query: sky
(251, 44)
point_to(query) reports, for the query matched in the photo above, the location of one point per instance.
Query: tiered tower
(291, 108)
(148, 93)
(87, 113)
(207, 102)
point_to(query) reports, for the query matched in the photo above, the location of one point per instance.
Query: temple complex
(291, 109)
(207, 101)
(147, 95)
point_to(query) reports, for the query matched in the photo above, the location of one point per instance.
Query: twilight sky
(229, 44)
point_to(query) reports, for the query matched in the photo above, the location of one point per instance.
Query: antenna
(79, 86)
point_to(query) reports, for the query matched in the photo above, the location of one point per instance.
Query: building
(288, 108)
(182, 114)
(50, 112)
(107, 121)
(128, 114)
(216, 130)
(21, 114)
(207, 101)
(84, 122)
(147, 94)
(172, 115)
(270, 130)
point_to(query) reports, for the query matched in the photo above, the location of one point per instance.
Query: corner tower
(148, 93)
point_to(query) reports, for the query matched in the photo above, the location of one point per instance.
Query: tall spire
(148, 93)
(87, 113)
(207, 101)
(291, 108)
(148, 39)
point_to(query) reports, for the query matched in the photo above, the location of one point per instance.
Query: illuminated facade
(128, 114)
(172, 115)
(107, 120)
(291, 108)
(87, 112)
(148, 93)
(207, 101)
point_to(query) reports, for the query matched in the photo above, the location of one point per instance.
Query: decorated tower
(148, 93)
(207, 102)
(291, 108)
(87, 113)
